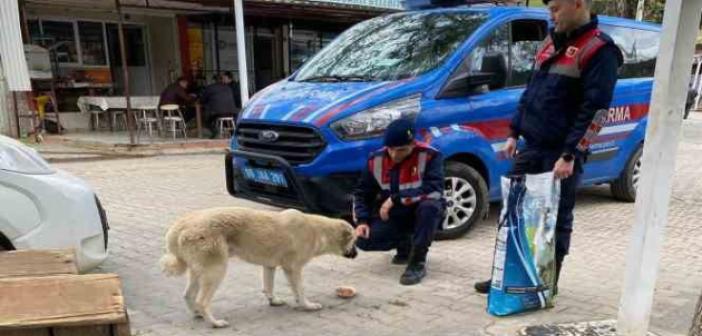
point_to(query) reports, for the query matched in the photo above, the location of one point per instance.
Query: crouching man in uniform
(399, 203)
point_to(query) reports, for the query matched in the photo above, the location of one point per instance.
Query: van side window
(508, 53)
(527, 37)
(491, 56)
(639, 47)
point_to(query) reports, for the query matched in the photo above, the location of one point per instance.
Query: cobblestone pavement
(143, 196)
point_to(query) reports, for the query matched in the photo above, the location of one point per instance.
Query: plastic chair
(147, 119)
(225, 124)
(173, 120)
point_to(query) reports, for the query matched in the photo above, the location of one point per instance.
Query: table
(107, 103)
(117, 102)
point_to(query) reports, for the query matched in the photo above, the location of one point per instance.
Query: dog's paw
(312, 306)
(220, 324)
(276, 302)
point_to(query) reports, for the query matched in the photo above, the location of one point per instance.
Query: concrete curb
(59, 149)
(595, 328)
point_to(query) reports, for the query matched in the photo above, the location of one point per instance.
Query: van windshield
(391, 47)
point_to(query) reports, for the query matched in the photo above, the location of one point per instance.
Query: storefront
(165, 39)
(84, 49)
(280, 36)
(277, 47)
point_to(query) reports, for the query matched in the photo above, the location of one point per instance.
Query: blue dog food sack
(524, 267)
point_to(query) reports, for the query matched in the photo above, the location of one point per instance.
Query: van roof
(495, 11)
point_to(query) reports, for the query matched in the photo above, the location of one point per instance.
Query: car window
(639, 48)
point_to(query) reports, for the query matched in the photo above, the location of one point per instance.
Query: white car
(46, 208)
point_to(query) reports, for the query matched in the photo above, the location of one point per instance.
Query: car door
(623, 132)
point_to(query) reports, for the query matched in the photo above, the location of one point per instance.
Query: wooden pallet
(26, 263)
(63, 305)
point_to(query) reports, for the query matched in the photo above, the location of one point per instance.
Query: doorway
(137, 59)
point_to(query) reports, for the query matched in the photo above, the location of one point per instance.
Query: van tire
(462, 172)
(624, 187)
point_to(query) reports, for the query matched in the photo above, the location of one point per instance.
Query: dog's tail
(172, 264)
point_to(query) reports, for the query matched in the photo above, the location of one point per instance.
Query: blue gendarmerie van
(459, 73)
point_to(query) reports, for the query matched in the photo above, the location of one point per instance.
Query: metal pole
(696, 84)
(241, 51)
(24, 26)
(125, 73)
(18, 129)
(640, 10)
(680, 28)
(216, 43)
(698, 68)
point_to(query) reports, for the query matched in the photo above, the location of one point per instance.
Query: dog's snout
(352, 253)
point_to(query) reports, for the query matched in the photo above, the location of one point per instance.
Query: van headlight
(373, 122)
(21, 159)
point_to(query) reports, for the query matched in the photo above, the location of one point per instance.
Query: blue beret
(399, 133)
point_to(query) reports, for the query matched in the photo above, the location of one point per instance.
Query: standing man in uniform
(399, 202)
(572, 85)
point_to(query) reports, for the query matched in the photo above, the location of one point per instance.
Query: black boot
(416, 269)
(403, 252)
(483, 287)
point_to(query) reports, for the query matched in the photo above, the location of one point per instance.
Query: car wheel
(5, 244)
(466, 194)
(624, 188)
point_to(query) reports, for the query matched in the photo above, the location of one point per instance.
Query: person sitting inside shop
(218, 101)
(176, 94)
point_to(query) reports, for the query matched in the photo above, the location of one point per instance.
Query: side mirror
(464, 84)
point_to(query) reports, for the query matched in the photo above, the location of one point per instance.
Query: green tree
(627, 8)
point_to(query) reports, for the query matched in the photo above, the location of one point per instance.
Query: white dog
(202, 242)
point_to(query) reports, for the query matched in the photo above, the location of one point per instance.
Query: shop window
(92, 43)
(34, 28)
(304, 44)
(63, 33)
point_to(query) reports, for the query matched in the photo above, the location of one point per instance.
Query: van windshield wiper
(322, 79)
(335, 78)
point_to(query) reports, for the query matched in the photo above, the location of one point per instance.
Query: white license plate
(266, 176)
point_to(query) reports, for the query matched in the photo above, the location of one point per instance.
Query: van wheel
(624, 188)
(466, 194)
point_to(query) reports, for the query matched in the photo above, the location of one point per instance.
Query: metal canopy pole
(241, 51)
(680, 28)
(125, 72)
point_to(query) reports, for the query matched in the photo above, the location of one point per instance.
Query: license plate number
(266, 176)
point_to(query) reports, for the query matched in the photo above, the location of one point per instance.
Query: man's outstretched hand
(363, 231)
